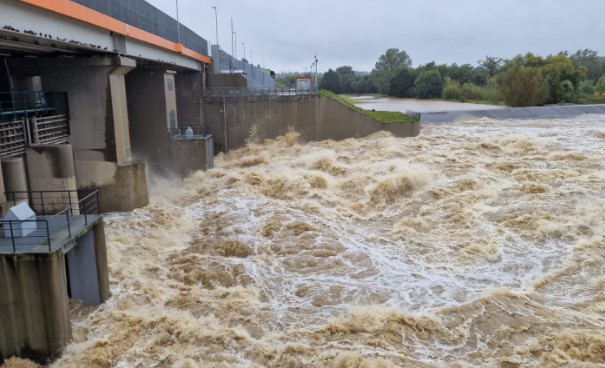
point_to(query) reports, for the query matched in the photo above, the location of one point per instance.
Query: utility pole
(316, 85)
(232, 46)
(178, 24)
(216, 25)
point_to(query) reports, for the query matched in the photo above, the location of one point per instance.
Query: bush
(429, 84)
(586, 88)
(451, 89)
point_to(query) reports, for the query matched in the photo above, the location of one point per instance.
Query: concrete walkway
(539, 112)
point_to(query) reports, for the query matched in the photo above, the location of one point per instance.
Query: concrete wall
(235, 122)
(87, 265)
(34, 297)
(189, 91)
(148, 104)
(227, 80)
(15, 179)
(51, 167)
(34, 308)
(129, 189)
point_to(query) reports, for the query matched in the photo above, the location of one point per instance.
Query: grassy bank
(381, 116)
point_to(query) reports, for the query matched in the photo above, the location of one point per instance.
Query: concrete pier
(35, 288)
(15, 178)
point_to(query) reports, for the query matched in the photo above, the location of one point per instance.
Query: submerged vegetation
(524, 80)
(381, 116)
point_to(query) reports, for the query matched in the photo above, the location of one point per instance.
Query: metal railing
(13, 138)
(190, 132)
(245, 92)
(17, 105)
(55, 211)
(16, 135)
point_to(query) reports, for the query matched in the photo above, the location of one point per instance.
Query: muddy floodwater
(477, 244)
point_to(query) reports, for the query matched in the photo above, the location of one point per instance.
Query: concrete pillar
(34, 306)
(87, 265)
(170, 98)
(117, 87)
(51, 168)
(15, 179)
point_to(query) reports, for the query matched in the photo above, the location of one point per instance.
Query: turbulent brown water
(476, 244)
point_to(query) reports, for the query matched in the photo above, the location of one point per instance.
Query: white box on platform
(23, 221)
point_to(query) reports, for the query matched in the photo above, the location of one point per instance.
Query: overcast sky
(285, 34)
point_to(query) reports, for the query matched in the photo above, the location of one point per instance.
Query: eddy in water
(476, 244)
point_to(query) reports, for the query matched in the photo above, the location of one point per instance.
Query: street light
(235, 43)
(244, 46)
(216, 25)
(316, 85)
(178, 24)
(250, 57)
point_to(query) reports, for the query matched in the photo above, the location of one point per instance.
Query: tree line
(525, 80)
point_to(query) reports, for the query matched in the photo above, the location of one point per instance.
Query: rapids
(477, 244)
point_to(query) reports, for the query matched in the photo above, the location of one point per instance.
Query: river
(477, 244)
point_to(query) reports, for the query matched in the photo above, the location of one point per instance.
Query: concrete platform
(61, 234)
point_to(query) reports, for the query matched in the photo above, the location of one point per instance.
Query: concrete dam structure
(102, 96)
(535, 112)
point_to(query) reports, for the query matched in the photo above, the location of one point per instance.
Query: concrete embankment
(538, 112)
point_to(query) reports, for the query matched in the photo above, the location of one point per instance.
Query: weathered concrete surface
(34, 307)
(34, 294)
(227, 80)
(234, 122)
(99, 125)
(15, 178)
(51, 168)
(129, 189)
(149, 102)
(538, 112)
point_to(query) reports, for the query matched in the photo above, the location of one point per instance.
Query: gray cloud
(287, 33)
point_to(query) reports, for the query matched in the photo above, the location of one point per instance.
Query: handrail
(84, 204)
(245, 92)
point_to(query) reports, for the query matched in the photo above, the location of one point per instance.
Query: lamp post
(250, 57)
(235, 43)
(216, 25)
(316, 85)
(178, 24)
(244, 46)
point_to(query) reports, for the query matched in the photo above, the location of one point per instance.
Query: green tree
(429, 84)
(347, 77)
(492, 64)
(387, 66)
(522, 82)
(600, 87)
(562, 78)
(403, 82)
(595, 65)
(330, 81)
(363, 85)
(393, 60)
(586, 88)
